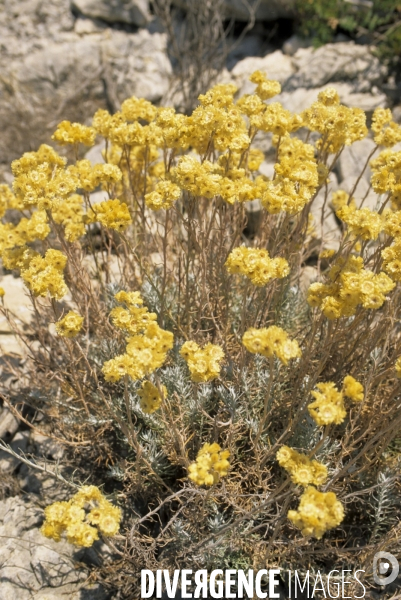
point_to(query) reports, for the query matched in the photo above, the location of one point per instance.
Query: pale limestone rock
(33, 566)
(353, 159)
(324, 221)
(301, 98)
(133, 12)
(345, 61)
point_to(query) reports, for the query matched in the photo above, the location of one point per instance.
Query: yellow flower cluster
(135, 317)
(138, 108)
(351, 285)
(203, 363)
(256, 265)
(353, 389)
(42, 180)
(70, 325)
(27, 230)
(146, 350)
(296, 178)
(317, 513)
(74, 133)
(8, 200)
(392, 223)
(163, 196)
(337, 124)
(201, 179)
(302, 470)
(392, 260)
(71, 215)
(2, 292)
(265, 88)
(340, 198)
(363, 223)
(112, 214)
(328, 406)
(82, 517)
(398, 367)
(45, 274)
(387, 132)
(150, 397)
(211, 464)
(386, 175)
(276, 120)
(271, 341)
(90, 177)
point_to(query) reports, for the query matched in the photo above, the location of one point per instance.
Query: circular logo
(387, 560)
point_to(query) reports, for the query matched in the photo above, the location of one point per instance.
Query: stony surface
(336, 62)
(55, 64)
(134, 12)
(33, 567)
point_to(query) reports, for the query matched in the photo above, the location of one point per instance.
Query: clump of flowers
(302, 470)
(211, 464)
(338, 124)
(340, 198)
(387, 132)
(317, 513)
(163, 196)
(265, 88)
(204, 363)
(111, 213)
(271, 341)
(398, 367)
(363, 223)
(328, 406)
(386, 175)
(351, 285)
(82, 518)
(150, 397)
(392, 260)
(296, 178)
(256, 265)
(74, 133)
(42, 180)
(45, 275)
(353, 389)
(71, 215)
(70, 325)
(146, 350)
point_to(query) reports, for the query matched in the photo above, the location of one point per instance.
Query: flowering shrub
(179, 343)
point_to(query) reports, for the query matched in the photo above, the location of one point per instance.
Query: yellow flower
(203, 363)
(303, 471)
(146, 349)
(74, 133)
(256, 265)
(317, 513)
(398, 367)
(70, 325)
(111, 213)
(71, 518)
(353, 389)
(328, 406)
(211, 464)
(271, 341)
(150, 396)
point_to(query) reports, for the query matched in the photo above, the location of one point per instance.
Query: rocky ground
(63, 60)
